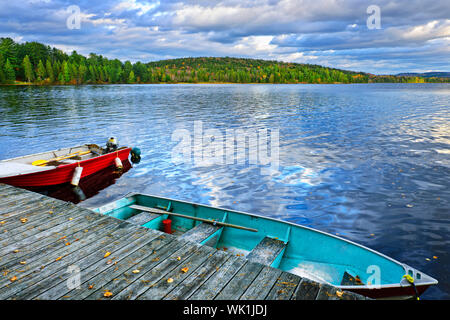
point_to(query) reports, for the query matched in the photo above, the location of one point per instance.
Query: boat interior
(300, 250)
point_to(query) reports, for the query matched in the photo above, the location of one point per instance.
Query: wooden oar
(71, 155)
(218, 223)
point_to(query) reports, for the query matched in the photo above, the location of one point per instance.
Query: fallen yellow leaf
(170, 280)
(15, 251)
(135, 271)
(185, 269)
(178, 258)
(339, 293)
(107, 294)
(57, 259)
(13, 279)
(2, 222)
(434, 257)
(107, 254)
(67, 243)
(91, 286)
(23, 262)
(23, 220)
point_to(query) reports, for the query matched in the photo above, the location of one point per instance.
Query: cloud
(414, 34)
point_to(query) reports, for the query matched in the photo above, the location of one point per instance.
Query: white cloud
(328, 32)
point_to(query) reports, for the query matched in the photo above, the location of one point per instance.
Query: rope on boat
(411, 281)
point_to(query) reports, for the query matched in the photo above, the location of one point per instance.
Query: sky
(380, 37)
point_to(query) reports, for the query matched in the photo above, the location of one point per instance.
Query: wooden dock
(50, 250)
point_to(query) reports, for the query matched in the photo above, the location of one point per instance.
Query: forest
(38, 64)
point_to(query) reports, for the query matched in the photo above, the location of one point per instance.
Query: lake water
(368, 162)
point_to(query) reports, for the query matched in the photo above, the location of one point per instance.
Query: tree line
(36, 63)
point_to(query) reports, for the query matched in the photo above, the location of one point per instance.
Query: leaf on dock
(107, 294)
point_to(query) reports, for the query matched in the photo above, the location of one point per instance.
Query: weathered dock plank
(35, 225)
(178, 272)
(29, 218)
(119, 282)
(59, 247)
(19, 200)
(151, 277)
(262, 284)
(89, 270)
(198, 277)
(31, 207)
(81, 259)
(211, 288)
(307, 290)
(284, 287)
(200, 232)
(142, 218)
(266, 251)
(16, 242)
(49, 264)
(240, 282)
(132, 264)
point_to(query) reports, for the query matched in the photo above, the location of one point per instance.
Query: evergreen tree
(41, 73)
(10, 75)
(49, 69)
(131, 78)
(28, 69)
(2, 72)
(66, 72)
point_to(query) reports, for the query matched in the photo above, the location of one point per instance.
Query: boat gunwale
(371, 287)
(45, 152)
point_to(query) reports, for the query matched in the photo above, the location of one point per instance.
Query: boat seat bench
(266, 251)
(142, 218)
(200, 232)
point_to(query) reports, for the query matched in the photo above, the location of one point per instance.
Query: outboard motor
(111, 145)
(135, 155)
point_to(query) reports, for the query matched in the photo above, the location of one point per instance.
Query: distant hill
(425, 74)
(36, 63)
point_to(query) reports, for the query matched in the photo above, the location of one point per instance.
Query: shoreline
(289, 83)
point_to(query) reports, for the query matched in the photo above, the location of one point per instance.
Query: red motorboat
(67, 165)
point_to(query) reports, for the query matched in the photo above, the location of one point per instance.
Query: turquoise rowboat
(290, 247)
